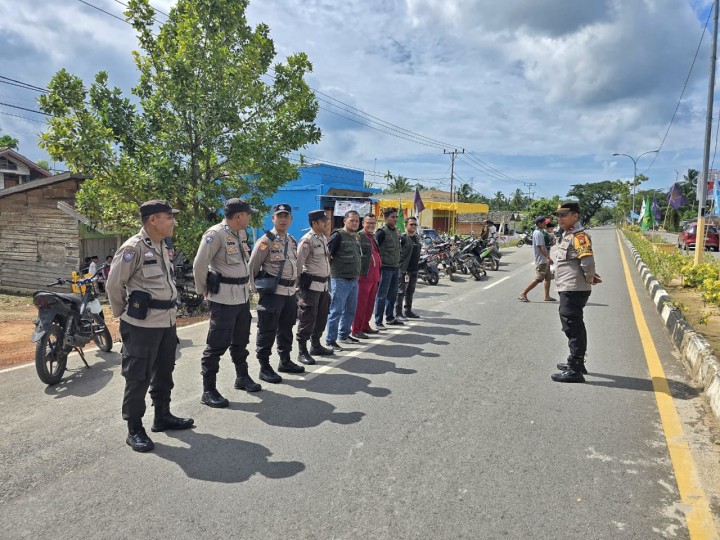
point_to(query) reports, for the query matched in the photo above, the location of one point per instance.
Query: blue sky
(541, 91)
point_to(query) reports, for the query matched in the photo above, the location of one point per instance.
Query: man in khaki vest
(222, 275)
(141, 291)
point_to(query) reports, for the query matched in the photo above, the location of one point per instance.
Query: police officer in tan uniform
(313, 297)
(273, 265)
(574, 277)
(141, 291)
(221, 274)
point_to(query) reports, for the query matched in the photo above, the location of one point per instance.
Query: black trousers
(148, 361)
(312, 314)
(572, 304)
(406, 290)
(276, 318)
(229, 328)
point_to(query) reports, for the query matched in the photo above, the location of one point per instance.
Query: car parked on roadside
(688, 236)
(431, 233)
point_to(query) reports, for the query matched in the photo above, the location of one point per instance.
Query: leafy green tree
(541, 207)
(593, 196)
(205, 124)
(518, 201)
(399, 184)
(498, 202)
(44, 163)
(6, 141)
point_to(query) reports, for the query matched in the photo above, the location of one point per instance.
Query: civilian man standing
(313, 297)
(345, 253)
(368, 280)
(221, 275)
(275, 254)
(409, 259)
(542, 263)
(388, 240)
(142, 294)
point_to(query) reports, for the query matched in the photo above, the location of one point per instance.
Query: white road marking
(496, 283)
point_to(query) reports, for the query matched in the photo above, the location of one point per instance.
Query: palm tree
(518, 201)
(499, 201)
(399, 184)
(465, 193)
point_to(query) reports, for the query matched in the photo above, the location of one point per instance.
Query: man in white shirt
(542, 263)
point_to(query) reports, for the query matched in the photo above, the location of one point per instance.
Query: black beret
(317, 215)
(282, 208)
(156, 207)
(238, 205)
(570, 206)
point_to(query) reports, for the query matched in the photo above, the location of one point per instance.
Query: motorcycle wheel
(433, 278)
(103, 338)
(449, 273)
(50, 359)
(494, 264)
(520, 243)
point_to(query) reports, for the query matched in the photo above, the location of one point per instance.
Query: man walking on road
(275, 254)
(368, 280)
(409, 259)
(542, 263)
(221, 275)
(313, 297)
(574, 277)
(388, 240)
(344, 248)
(142, 294)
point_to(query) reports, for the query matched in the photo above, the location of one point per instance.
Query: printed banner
(361, 207)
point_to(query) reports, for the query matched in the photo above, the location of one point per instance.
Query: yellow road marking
(699, 519)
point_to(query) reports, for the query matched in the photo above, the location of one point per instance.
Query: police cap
(155, 207)
(238, 205)
(569, 206)
(282, 208)
(317, 215)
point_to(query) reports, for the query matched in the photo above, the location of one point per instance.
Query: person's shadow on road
(340, 385)
(373, 367)
(678, 389)
(281, 410)
(83, 381)
(400, 351)
(215, 459)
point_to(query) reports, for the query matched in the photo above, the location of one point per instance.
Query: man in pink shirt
(369, 278)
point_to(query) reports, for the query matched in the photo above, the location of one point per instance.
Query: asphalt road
(447, 428)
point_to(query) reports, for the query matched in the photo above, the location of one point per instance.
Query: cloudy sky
(535, 91)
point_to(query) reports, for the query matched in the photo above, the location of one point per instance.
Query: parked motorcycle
(527, 239)
(67, 321)
(428, 269)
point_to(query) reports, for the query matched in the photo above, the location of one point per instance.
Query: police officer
(141, 290)
(313, 297)
(275, 255)
(221, 274)
(574, 277)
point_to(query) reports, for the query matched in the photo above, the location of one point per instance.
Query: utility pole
(702, 185)
(530, 185)
(453, 154)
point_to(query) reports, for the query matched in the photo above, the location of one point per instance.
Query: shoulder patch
(581, 243)
(128, 255)
(262, 246)
(209, 238)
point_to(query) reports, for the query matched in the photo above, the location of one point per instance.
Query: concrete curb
(700, 358)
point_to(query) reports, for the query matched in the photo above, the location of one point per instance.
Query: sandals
(523, 298)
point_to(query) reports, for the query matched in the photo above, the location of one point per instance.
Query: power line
(24, 109)
(102, 10)
(23, 117)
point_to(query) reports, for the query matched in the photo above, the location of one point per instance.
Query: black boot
(243, 380)
(304, 356)
(164, 419)
(409, 314)
(318, 350)
(211, 397)
(581, 366)
(137, 439)
(267, 373)
(572, 374)
(288, 366)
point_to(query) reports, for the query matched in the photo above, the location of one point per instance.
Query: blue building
(333, 189)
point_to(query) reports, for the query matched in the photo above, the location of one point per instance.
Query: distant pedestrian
(574, 277)
(369, 278)
(345, 257)
(542, 263)
(313, 296)
(388, 240)
(409, 260)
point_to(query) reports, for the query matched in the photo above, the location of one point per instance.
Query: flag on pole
(401, 218)
(657, 214)
(418, 202)
(675, 198)
(716, 199)
(642, 211)
(647, 217)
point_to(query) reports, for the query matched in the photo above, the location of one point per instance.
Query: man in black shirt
(409, 259)
(388, 240)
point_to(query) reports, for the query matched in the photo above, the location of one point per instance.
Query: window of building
(7, 165)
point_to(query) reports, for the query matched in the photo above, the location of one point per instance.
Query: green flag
(646, 217)
(401, 218)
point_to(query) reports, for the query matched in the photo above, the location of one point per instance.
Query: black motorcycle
(428, 269)
(67, 321)
(527, 239)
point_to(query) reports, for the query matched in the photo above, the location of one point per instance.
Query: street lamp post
(635, 160)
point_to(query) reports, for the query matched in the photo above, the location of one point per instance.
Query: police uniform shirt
(226, 253)
(574, 261)
(313, 258)
(142, 265)
(268, 255)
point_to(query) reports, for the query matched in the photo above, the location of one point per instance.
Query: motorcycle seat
(72, 297)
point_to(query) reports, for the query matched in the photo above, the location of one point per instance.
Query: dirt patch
(17, 314)
(704, 318)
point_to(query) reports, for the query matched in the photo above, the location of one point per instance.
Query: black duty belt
(234, 281)
(286, 282)
(163, 304)
(319, 279)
